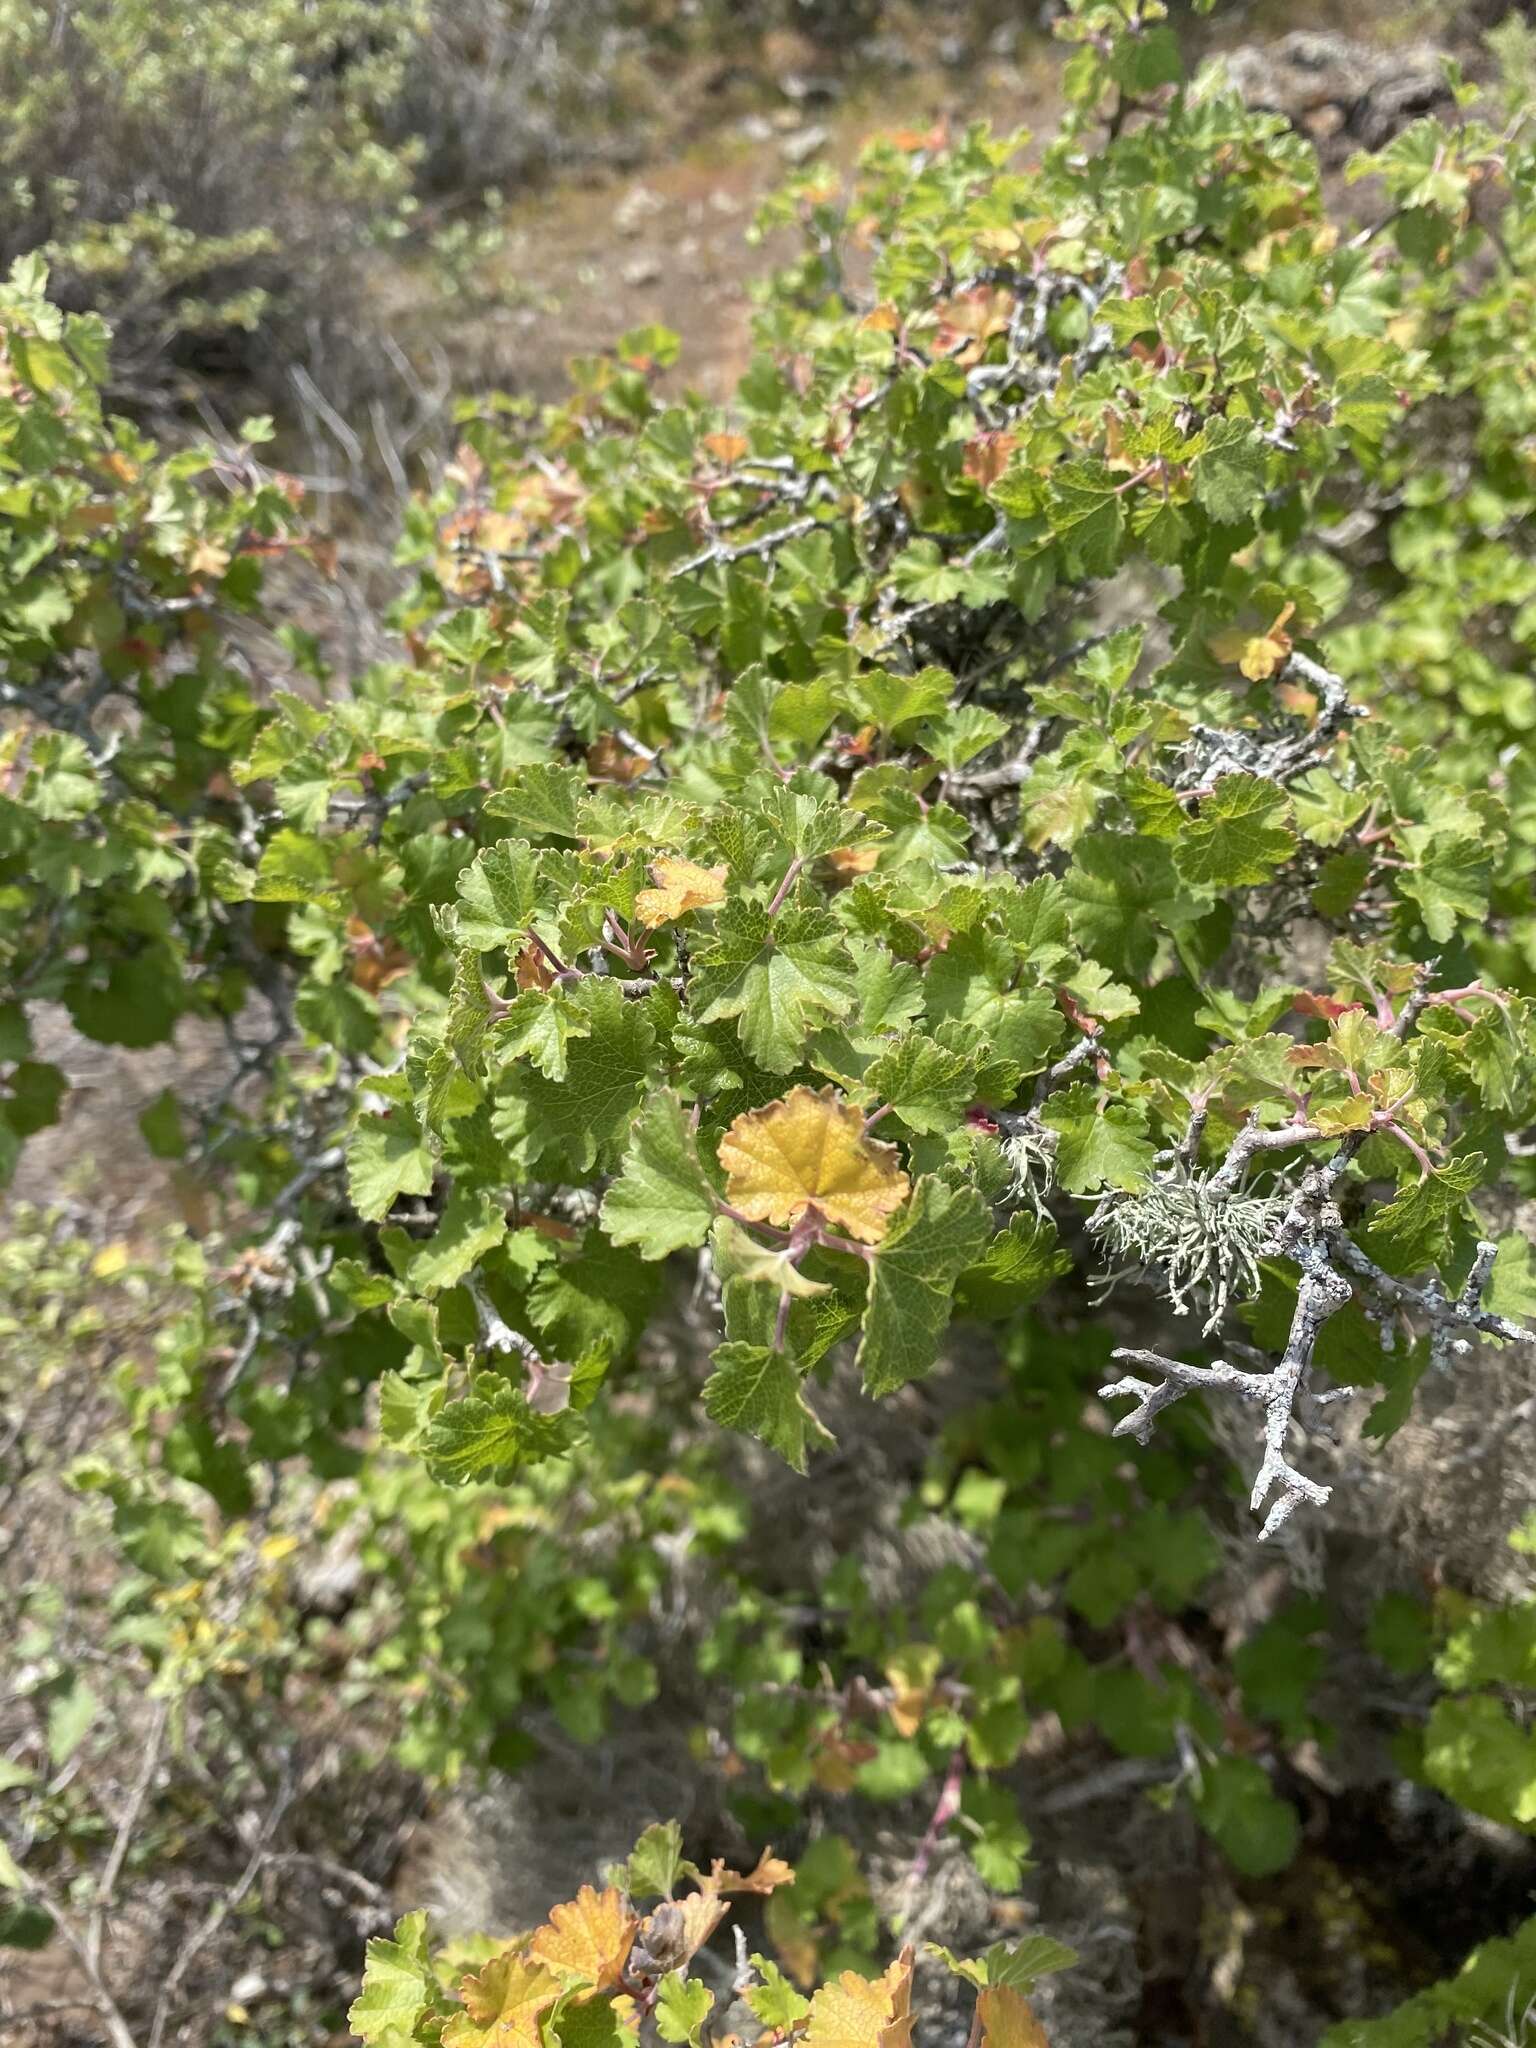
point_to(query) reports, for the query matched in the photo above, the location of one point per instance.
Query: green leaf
(542, 799)
(925, 1085)
(655, 1863)
(1480, 1755)
(890, 701)
(777, 976)
(1449, 880)
(295, 869)
(1098, 1145)
(490, 1434)
(662, 1200)
(22, 1925)
(600, 1300)
(757, 1389)
(1021, 1967)
(539, 1027)
(774, 2000)
(398, 1985)
(1018, 1266)
(1237, 840)
(36, 1089)
(1237, 1806)
(1230, 472)
(995, 1834)
(1123, 893)
(1511, 1287)
(588, 1112)
(1416, 1230)
(386, 1159)
(471, 1225)
(912, 1282)
(1086, 509)
(682, 2007)
(498, 896)
(70, 1715)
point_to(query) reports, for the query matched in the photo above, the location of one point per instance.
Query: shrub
(209, 192)
(777, 908)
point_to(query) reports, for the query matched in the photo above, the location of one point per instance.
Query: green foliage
(757, 917)
(1489, 1992)
(202, 189)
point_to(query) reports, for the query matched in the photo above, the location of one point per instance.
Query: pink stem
(943, 1813)
(791, 876)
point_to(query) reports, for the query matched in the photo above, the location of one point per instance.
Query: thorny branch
(1311, 1233)
(1214, 751)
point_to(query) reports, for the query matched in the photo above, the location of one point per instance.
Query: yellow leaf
(112, 1258)
(910, 1675)
(851, 2012)
(810, 1152)
(208, 559)
(1007, 2021)
(502, 2004)
(1352, 1114)
(589, 1938)
(1257, 655)
(681, 886)
(864, 2012)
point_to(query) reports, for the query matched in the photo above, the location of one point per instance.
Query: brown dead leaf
(531, 970)
(986, 457)
(376, 961)
(969, 320)
(609, 760)
(1007, 2020)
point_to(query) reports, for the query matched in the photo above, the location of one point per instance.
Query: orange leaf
(1309, 1005)
(375, 961)
(771, 1871)
(531, 970)
(986, 457)
(503, 2004)
(589, 1938)
(727, 448)
(609, 760)
(810, 1152)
